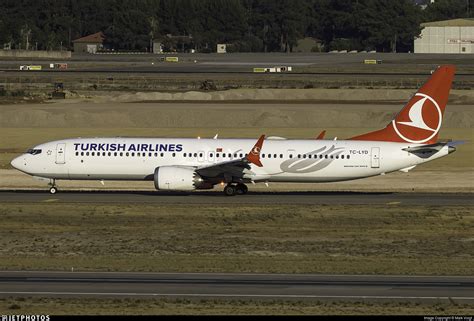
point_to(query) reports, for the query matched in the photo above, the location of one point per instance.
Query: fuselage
(283, 160)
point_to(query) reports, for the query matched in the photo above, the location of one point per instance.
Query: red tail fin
(420, 120)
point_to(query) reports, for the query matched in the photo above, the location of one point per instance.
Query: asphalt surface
(270, 198)
(255, 286)
(237, 62)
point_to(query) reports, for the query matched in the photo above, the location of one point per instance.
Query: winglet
(254, 154)
(321, 135)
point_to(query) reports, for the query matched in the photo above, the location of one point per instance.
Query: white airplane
(180, 164)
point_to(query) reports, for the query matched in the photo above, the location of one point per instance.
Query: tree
(448, 9)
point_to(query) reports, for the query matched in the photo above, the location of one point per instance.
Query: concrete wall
(445, 40)
(35, 54)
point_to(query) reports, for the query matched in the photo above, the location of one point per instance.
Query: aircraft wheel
(230, 190)
(53, 190)
(242, 189)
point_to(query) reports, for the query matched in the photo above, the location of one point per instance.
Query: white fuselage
(283, 160)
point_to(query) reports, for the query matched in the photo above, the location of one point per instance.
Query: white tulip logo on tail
(416, 121)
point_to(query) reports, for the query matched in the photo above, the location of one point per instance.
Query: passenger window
(342, 156)
(348, 157)
(115, 154)
(281, 155)
(174, 154)
(263, 155)
(77, 153)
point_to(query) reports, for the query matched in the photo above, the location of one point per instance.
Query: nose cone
(19, 163)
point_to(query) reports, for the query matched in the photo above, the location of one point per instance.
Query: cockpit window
(34, 151)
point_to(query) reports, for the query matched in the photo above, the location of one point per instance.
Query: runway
(217, 197)
(255, 286)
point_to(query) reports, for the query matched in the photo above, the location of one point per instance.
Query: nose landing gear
(237, 189)
(53, 189)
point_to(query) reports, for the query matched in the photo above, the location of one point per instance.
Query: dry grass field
(134, 306)
(389, 239)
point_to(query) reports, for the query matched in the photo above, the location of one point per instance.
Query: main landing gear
(235, 189)
(53, 189)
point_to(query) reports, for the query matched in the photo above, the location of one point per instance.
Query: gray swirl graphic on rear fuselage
(313, 164)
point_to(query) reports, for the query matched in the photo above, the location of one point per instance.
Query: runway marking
(50, 200)
(249, 295)
(393, 203)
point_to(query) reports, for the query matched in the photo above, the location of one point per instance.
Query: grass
(16, 140)
(109, 306)
(389, 239)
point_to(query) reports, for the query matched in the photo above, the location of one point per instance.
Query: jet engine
(178, 179)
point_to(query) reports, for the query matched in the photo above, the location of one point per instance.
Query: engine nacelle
(178, 179)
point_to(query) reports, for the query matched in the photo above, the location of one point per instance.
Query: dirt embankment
(287, 95)
(87, 114)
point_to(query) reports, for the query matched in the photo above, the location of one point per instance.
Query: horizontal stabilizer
(432, 148)
(425, 148)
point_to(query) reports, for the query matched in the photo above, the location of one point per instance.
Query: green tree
(448, 9)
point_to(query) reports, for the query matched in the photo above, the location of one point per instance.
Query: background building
(447, 36)
(90, 43)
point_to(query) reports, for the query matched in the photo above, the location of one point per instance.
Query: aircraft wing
(225, 171)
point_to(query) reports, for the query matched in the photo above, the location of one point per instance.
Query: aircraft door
(60, 153)
(375, 157)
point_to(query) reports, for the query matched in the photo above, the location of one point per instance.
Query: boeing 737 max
(410, 139)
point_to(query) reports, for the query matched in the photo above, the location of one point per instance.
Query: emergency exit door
(375, 158)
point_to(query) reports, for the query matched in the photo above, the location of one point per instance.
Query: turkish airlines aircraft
(181, 164)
